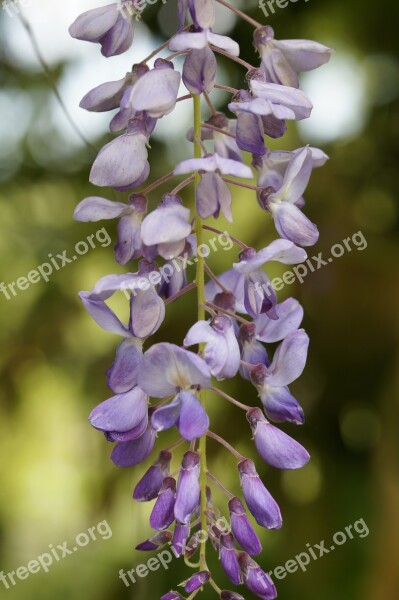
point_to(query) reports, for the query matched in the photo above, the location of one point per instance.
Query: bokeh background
(56, 477)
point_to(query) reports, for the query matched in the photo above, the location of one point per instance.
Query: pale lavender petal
(293, 225)
(187, 41)
(282, 95)
(296, 178)
(104, 97)
(120, 413)
(167, 367)
(92, 25)
(167, 416)
(250, 133)
(122, 376)
(223, 42)
(213, 195)
(290, 316)
(276, 447)
(166, 224)
(280, 405)
(120, 162)
(282, 251)
(96, 209)
(156, 92)
(202, 13)
(118, 39)
(199, 71)
(289, 359)
(147, 313)
(188, 488)
(193, 420)
(304, 55)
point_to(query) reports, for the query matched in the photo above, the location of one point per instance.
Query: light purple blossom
(283, 59)
(222, 353)
(167, 227)
(107, 26)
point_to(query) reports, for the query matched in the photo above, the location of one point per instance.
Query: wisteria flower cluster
(163, 386)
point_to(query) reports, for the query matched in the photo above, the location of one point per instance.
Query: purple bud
(226, 595)
(188, 488)
(180, 537)
(148, 487)
(242, 528)
(159, 540)
(172, 596)
(228, 558)
(162, 514)
(259, 501)
(197, 581)
(256, 580)
(276, 447)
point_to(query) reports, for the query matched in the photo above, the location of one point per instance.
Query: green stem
(201, 317)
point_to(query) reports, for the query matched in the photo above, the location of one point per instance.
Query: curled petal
(293, 225)
(199, 71)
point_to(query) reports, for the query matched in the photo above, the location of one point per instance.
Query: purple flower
(202, 12)
(150, 484)
(289, 220)
(163, 512)
(172, 596)
(147, 309)
(272, 100)
(252, 351)
(129, 454)
(114, 165)
(196, 581)
(213, 195)
(243, 531)
(228, 558)
(199, 71)
(158, 541)
(167, 227)
(222, 353)
(226, 595)
(124, 417)
(271, 381)
(156, 91)
(290, 316)
(272, 166)
(167, 370)
(259, 501)
(250, 133)
(276, 447)
(257, 581)
(107, 26)
(180, 538)
(129, 246)
(122, 375)
(283, 59)
(233, 281)
(188, 488)
(260, 297)
(213, 163)
(108, 96)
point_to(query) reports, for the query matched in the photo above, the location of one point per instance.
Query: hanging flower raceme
(162, 386)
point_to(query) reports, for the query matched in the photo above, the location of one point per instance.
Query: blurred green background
(56, 476)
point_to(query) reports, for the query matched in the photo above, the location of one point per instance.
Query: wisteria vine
(165, 385)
